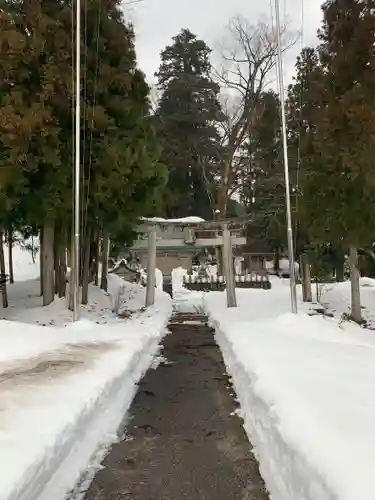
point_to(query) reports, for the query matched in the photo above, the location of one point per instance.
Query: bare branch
(154, 97)
(247, 60)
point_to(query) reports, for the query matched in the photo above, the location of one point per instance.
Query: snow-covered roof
(191, 220)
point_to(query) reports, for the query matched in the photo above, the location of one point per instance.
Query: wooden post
(230, 284)
(151, 267)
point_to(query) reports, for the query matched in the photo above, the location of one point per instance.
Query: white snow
(64, 389)
(284, 266)
(24, 267)
(306, 386)
(305, 383)
(143, 273)
(185, 300)
(158, 277)
(192, 220)
(336, 298)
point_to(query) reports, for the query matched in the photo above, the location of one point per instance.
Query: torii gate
(225, 240)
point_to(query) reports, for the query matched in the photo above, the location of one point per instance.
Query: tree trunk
(69, 255)
(10, 256)
(356, 312)
(56, 261)
(48, 262)
(86, 267)
(223, 189)
(276, 260)
(339, 265)
(71, 277)
(82, 257)
(92, 256)
(97, 258)
(104, 279)
(62, 265)
(41, 260)
(3, 271)
(305, 278)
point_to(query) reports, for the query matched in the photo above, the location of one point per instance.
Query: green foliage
(320, 261)
(187, 117)
(336, 120)
(121, 174)
(262, 186)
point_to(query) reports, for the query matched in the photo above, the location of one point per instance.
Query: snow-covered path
(184, 440)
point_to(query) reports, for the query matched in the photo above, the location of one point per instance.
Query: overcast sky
(157, 21)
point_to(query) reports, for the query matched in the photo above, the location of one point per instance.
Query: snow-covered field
(305, 385)
(64, 387)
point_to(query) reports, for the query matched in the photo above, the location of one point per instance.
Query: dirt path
(183, 440)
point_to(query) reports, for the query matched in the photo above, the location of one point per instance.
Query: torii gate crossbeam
(225, 240)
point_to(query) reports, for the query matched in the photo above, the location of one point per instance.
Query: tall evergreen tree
(122, 176)
(338, 187)
(340, 174)
(187, 117)
(304, 97)
(262, 175)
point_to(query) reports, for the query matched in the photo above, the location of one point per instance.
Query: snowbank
(306, 390)
(64, 394)
(25, 303)
(64, 387)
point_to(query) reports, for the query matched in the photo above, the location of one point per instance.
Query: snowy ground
(336, 298)
(305, 385)
(25, 302)
(64, 387)
(185, 300)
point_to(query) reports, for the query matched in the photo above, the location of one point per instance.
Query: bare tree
(247, 60)
(155, 95)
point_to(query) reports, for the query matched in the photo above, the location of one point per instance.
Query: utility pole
(76, 168)
(292, 269)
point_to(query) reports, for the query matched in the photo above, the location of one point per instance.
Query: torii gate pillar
(151, 267)
(230, 284)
